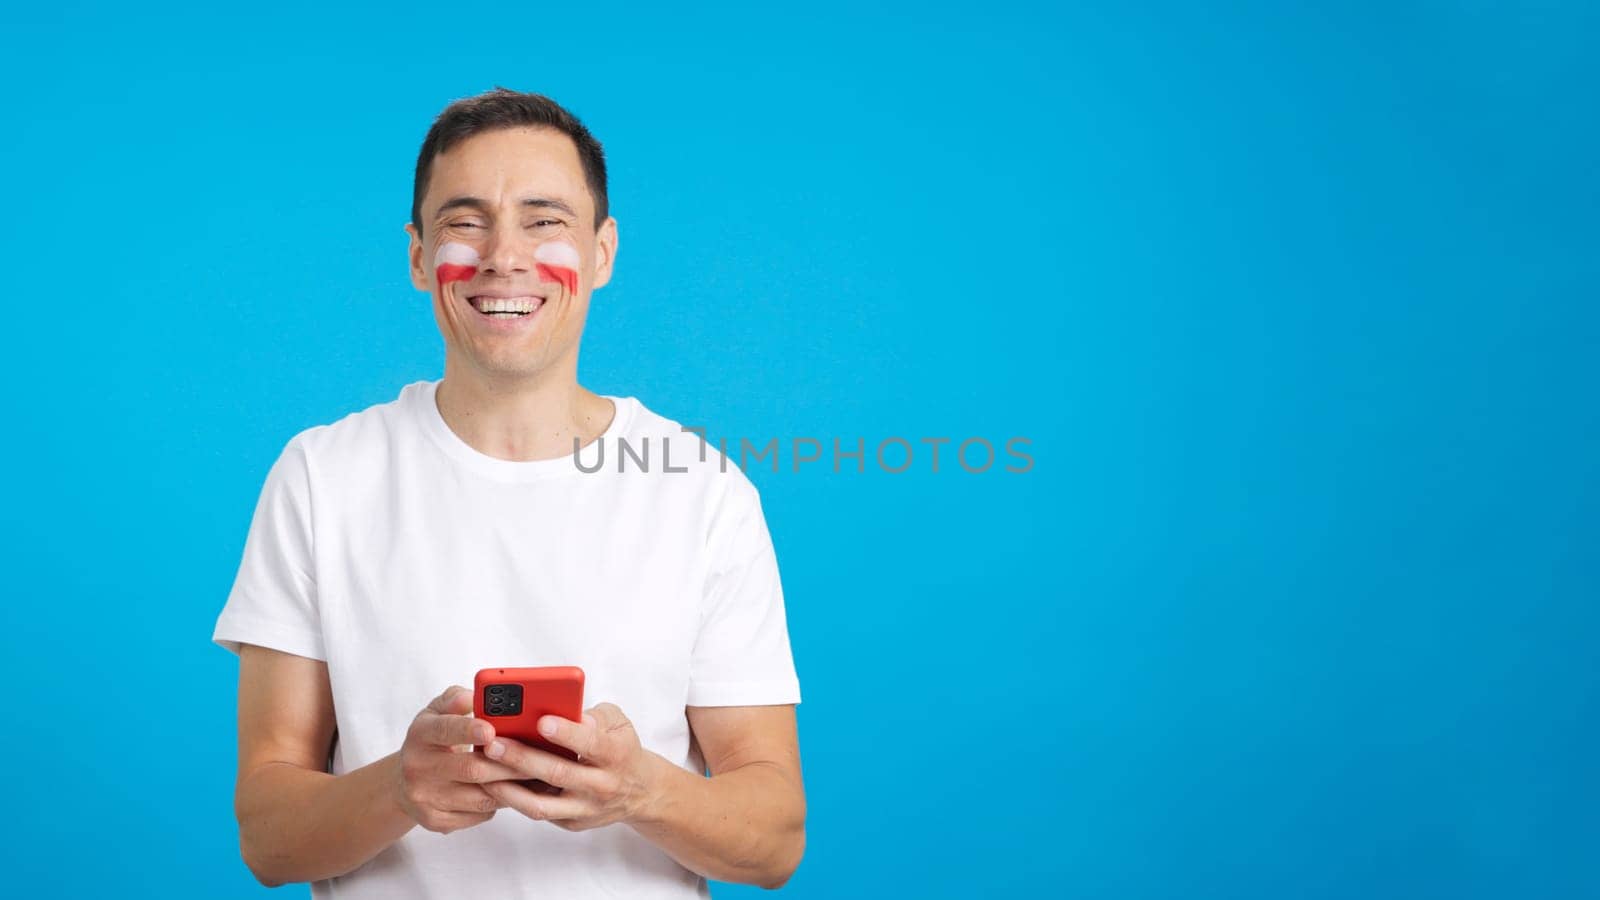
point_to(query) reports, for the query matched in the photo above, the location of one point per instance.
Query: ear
(419, 273)
(605, 252)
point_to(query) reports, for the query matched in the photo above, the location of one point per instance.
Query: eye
(465, 225)
(548, 222)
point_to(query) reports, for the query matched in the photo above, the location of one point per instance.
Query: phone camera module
(504, 699)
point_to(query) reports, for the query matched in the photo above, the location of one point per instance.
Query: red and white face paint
(454, 262)
(557, 261)
(553, 261)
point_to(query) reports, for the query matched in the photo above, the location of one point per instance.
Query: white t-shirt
(388, 547)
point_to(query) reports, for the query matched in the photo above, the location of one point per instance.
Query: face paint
(454, 262)
(557, 261)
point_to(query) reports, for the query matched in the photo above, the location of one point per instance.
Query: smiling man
(397, 551)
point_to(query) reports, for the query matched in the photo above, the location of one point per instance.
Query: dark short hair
(505, 108)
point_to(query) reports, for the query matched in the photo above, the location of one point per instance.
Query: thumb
(454, 701)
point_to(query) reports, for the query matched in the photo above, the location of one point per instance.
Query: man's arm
(298, 822)
(747, 822)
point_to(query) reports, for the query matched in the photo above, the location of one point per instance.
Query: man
(397, 551)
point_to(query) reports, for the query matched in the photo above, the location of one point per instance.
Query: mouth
(517, 307)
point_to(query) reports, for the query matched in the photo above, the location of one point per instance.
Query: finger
(534, 762)
(450, 700)
(609, 715)
(606, 718)
(539, 806)
(455, 821)
(466, 798)
(581, 737)
(476, 769)
(445, 730)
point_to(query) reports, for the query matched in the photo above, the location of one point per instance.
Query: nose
(507, 252)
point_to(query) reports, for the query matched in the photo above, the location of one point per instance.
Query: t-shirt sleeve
(274, 598)
(742, 656)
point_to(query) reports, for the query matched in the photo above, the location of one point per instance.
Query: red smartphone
(513, 700)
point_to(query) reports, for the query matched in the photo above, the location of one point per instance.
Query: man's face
(509, 252)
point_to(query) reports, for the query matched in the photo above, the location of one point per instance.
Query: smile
(506, 307)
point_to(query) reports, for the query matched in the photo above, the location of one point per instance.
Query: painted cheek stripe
(454, 262)
(567, 277)
(557, 261)
(554, 261)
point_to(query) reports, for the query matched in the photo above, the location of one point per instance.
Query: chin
(513, 368)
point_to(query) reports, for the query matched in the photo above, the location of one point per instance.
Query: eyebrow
(482, 206)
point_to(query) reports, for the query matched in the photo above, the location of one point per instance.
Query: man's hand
(609, 783)
(439, 786)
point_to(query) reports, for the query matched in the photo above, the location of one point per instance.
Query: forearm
(300, 825)
(745, 825)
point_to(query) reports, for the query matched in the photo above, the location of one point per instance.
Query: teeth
(506, 304)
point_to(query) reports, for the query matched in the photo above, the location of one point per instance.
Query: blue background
(1297, 307)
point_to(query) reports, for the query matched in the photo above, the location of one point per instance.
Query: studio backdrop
(1180, 424)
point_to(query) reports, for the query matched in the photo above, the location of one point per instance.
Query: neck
(521, 418)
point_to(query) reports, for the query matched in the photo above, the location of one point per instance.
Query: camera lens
(496, 688)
